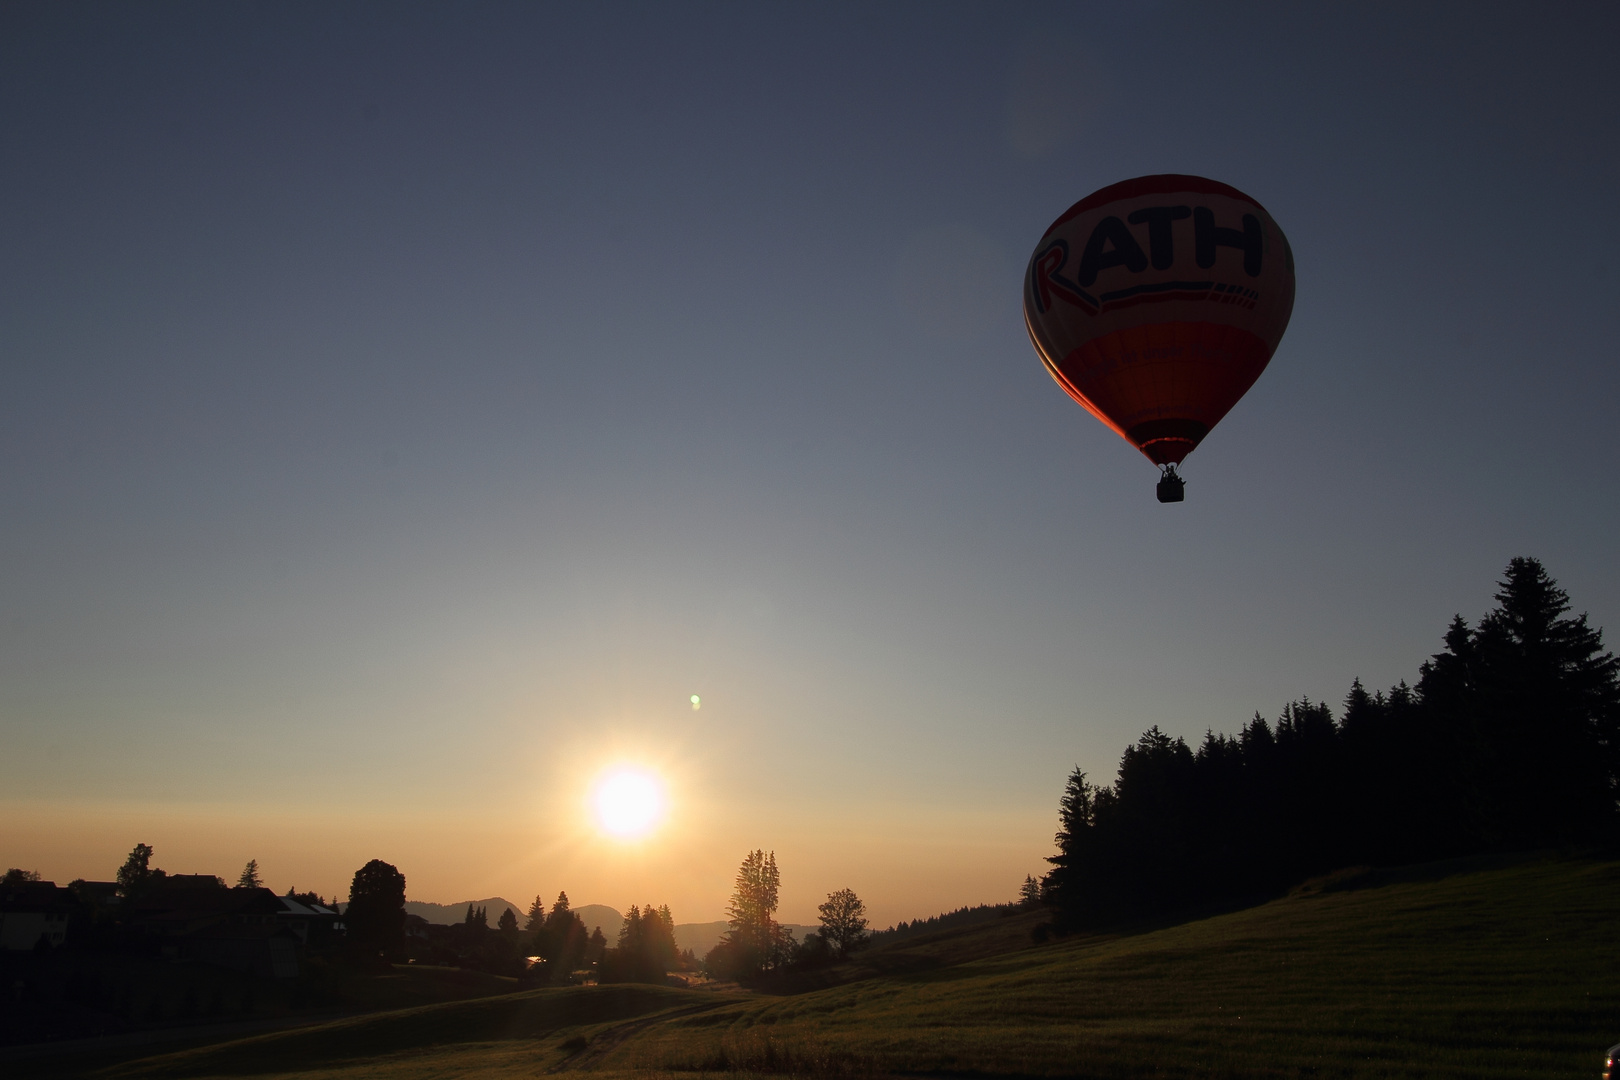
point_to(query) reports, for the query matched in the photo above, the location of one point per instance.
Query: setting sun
(629, 802)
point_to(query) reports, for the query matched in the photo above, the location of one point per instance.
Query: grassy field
(1453, 971)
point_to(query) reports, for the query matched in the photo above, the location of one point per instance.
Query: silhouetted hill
(445, 914)
(1008, 930)
(593, 915)
(600, 915)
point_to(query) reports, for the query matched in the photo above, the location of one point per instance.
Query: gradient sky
(405, 408)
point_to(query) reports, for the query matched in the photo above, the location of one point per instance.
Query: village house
(35, 913)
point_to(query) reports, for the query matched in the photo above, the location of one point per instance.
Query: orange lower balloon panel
(1164, 386)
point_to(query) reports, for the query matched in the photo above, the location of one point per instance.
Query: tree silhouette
(537, 916)
(16, 880)
(1077, 818)
(249, 878)
(1532, 703)
(658, 930)
(375, 916)
(646, 947)
(843, 922)
(754, 943)
(561, 943)
(136, 873)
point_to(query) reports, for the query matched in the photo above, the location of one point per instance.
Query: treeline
(551, 948)
(962, 916)
(1509, 740)
(646, 948)
(548, 949)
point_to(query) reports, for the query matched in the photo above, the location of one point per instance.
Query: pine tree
(660, 934)
(1548, 712)
(249, 878)
(561, 942)
(1359, 708)
(1077, 816)
(646, 947)
(630, 931)
(537, 916)
(754, 943)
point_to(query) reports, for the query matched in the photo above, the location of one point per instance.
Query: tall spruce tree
(754, 943)
(1533, 700)
(537, 915)
(1064, 884)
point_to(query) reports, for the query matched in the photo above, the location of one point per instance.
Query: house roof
(37, 896)
(186, 902)
(296, 909)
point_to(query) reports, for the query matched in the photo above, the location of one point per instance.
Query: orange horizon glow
(952, 858)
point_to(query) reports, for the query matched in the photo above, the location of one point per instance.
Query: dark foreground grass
(557, 1021)
(1506, 971)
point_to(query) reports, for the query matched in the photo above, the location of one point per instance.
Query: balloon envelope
(1157, 302)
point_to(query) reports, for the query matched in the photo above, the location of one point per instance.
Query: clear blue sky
(406, 408)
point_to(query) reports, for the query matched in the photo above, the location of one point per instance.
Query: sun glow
(629, 802)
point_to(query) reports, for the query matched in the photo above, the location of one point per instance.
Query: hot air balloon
(1156, 303)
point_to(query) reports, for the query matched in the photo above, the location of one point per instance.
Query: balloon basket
(1172, 488)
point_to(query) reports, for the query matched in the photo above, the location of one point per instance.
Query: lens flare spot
(697, 703)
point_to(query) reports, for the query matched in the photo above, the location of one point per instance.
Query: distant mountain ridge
(592, 915)
(445, 914)
(700, 937)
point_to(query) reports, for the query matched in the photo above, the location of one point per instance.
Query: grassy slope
(1505, 972)
(220, 998)
(943, 948)
(531, 1020)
